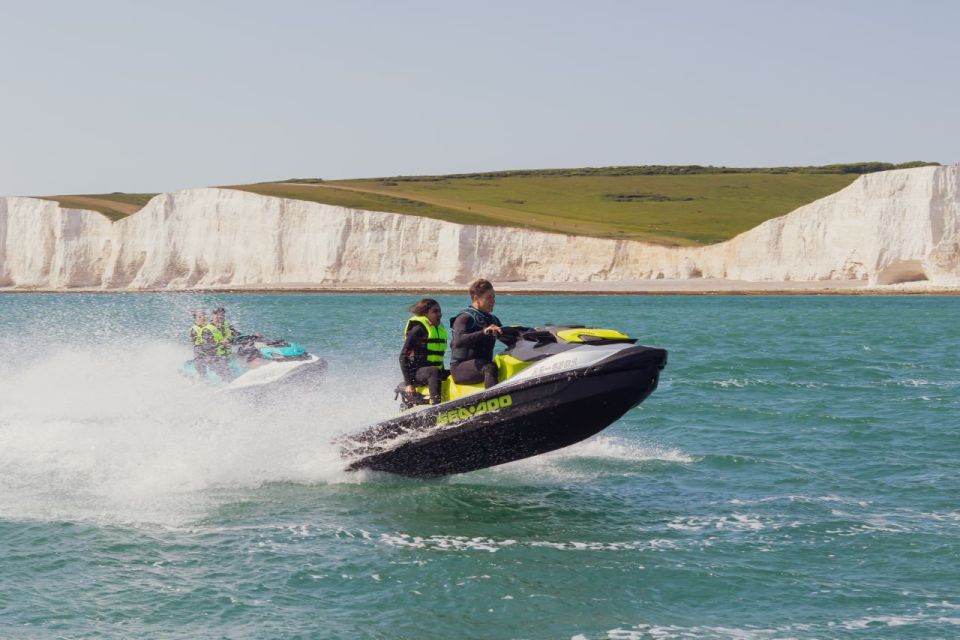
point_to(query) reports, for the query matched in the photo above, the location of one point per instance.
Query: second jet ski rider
(475, 333)
(421, 358)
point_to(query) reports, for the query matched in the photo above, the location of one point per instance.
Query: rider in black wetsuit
(475, 333)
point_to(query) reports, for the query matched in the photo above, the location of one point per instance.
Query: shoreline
(623, 288)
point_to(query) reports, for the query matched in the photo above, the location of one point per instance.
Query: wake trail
(112, 431)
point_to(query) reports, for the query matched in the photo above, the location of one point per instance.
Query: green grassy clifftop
(673, 205)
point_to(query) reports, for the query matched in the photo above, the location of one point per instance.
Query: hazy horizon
(106, 96)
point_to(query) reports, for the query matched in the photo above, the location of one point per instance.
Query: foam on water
(616, 448)
(112, 432)
(730, 522)
(577, 462)
(801, 499)
(493, 545)
(916, 621)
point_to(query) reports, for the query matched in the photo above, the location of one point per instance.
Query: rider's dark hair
(479, 287)
(421, 308)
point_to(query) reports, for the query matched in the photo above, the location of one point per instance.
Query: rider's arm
(416, 334)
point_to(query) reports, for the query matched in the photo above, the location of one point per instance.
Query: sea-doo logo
(465, 413)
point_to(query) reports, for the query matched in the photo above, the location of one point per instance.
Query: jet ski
(558, 385)
(258, 363)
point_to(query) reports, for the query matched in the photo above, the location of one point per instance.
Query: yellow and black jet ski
(558, 385)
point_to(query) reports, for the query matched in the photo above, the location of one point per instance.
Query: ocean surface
(796, 475)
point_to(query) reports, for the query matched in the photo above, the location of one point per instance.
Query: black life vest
(478, 320)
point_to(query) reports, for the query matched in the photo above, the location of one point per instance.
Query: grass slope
(666, 209)
(673, 205)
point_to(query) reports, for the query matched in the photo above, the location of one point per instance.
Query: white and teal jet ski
(258, 363)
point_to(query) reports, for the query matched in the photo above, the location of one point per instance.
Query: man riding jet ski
(259, 363)
(557, 386)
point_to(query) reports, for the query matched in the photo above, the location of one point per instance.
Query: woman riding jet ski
(259, 363)
(557, 386)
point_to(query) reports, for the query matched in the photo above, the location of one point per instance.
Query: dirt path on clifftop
(78, 202)
(112, 209)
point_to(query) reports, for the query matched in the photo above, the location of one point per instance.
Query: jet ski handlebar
(512, 334)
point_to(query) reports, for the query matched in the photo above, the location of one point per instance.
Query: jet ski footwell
(510, 421)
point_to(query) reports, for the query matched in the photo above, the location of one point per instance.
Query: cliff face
(890, 227)
(885, 228)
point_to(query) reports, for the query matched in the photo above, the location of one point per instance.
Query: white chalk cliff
(885, 228)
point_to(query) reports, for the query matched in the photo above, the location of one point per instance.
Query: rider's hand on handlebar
(492, 330)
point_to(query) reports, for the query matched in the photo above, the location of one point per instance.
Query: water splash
(111, 431)
(588, 460)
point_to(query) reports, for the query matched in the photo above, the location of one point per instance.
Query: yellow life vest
(197, 332)
(226, 331)
(223, 347)
(436, 339)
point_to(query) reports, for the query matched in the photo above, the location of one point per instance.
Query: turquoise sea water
(796, 475)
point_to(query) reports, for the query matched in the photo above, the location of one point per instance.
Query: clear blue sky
(132, 96)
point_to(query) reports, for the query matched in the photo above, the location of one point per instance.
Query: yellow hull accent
(576, 335)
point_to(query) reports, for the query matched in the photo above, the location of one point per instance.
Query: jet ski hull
(306, 373)
(510, 422)
(302, 375)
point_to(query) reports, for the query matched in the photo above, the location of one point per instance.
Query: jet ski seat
(507, 367)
